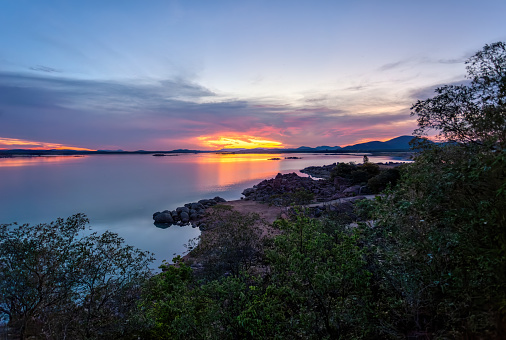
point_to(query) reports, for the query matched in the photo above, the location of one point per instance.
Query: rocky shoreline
(281, 191)
(288, 188)
(190, 212)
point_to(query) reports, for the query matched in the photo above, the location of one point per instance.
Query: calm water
(121, 192)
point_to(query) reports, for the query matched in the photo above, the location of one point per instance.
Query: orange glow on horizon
(13, 143)
(237, 142)
(36, 160)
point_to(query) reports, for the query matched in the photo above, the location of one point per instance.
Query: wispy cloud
(393, 65)
(42, 68)
(172, 113)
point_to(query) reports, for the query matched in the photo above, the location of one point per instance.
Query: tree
(474, 112)
(441, 233)
(233, 242)
(57, 281)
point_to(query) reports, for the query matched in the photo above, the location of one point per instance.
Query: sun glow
(237, 142)
(13, 143)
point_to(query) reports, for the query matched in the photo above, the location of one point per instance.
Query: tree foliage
(233, 242)
(57, 281)
(317, 286)
(474, 112)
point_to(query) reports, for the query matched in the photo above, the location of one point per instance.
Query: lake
(121, 192)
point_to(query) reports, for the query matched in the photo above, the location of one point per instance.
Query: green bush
(357, 174)
(388, 177)
(57, 281)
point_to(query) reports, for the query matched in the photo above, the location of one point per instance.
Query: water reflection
(36, 160)
(220, 171)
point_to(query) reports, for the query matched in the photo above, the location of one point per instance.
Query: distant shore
(405, 154)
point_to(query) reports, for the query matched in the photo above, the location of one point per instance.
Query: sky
(164, 75)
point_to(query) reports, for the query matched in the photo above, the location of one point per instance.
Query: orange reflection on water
(228, 169)
(36, 160)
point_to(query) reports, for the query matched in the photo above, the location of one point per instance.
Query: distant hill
(398, 143)
(319, 148)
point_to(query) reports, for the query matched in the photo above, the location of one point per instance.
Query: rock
(194, 216)
(337, 195)
(218, 199)
(182, 209)
(248, 191)
(164, 218)
(155, 214)
(319, 171)
(353, 190)
(185, 218)
(176, 218)
(207, 203)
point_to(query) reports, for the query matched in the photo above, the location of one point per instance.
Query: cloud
(390, 66)
(420, 61)
(44, 69)
(14, 143)
(357, 88)
(452, 61)
(173, 113)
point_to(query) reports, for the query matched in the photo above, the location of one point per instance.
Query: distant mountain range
(400, 143)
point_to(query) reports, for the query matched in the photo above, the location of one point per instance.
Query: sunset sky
(163, 75)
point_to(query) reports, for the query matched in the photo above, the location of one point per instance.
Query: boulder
(182, 209)
(185, 218)
(207, 203)
(176, 218)
(248, 191)
(164, 218)
(353, 190)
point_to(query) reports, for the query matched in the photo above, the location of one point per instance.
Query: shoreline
(268, 212)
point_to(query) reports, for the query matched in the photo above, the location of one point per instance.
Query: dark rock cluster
(319, 171)
(189, 212)
(276, 190)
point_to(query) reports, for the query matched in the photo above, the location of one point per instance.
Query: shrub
(59, 282)
(385, 178)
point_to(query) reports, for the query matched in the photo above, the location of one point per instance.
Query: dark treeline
(424, 261)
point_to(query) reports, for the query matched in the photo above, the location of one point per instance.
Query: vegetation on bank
(430, 265)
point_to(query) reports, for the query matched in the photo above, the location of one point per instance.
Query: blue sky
(162, 75)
